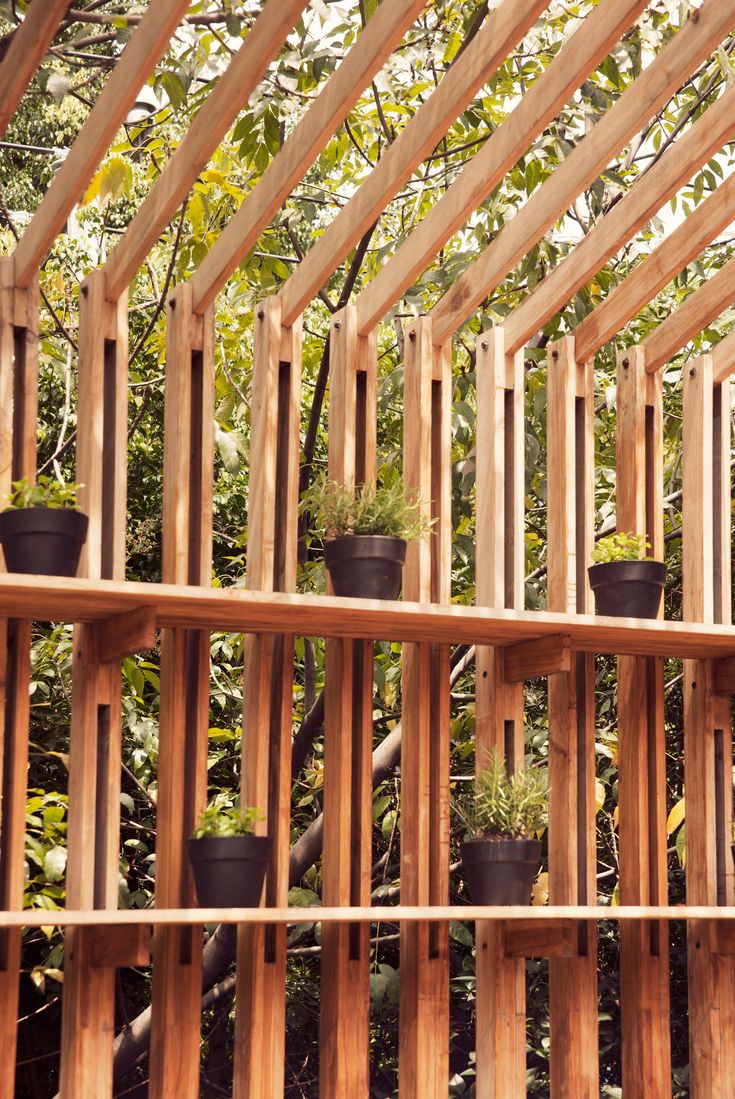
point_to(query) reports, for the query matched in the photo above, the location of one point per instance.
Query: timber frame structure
(114, 617)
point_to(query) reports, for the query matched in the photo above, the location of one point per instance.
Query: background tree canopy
(50, 117)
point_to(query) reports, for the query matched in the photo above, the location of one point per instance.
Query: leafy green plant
(508, 805)
(621, 546)
(371, 509)
(219, 820)
(46, 493)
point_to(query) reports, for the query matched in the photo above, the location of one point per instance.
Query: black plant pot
(628, 589)
(229, 870)
(501, 870)
(367, 566)
(43, 541)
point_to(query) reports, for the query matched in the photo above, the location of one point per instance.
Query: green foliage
(226, 820)
(621, 546)
(386, 509)
(46, 493)
(508, 805)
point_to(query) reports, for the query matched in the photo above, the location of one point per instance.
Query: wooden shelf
(386, 914)
(234, 609)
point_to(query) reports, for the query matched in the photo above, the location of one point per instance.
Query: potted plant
(626, 583)
(366, 529)
(42, 532)
(502, 854)
(227, 860)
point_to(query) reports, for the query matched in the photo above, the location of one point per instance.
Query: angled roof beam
(654, 272)
(220, 109)
(680, 57)
(696, 312)
(147, 44)
(25, 52)
(503, 31)
(600, 30)
(330, 108)
(647, 195)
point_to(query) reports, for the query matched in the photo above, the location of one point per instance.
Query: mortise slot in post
(580, 519)
(196, 489)
(581, 732)
(20, 336)
(718, 565)
(436, 487)
(653, 883)
(109, 450)
(275, 762)
(509, 741)
(361, 470)
(280, 511)
(508, 501)
(357, 792)
(722, 845)
(650, 467)
(6, 833)
(101, 814)
(435, 779)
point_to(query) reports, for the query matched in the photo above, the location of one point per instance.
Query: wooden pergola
(114, 618)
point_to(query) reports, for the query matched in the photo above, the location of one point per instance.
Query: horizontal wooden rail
(384, 914)
(238, 611)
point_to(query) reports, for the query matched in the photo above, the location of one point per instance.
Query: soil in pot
(229, 870)
(501, 870)
(43, 541)
(628, 589)
(366, 566)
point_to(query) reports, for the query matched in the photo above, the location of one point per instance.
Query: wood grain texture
(423, 1061)
(636, 207)
(573, 997)
(541, 102)
(499, 580)
(147, 44)
(25, 53)
(480, 60)
(653, 87)
(644, 954)
(260, 1021)
(530, 659)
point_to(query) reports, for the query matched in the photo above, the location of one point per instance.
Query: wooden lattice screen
(114, 618)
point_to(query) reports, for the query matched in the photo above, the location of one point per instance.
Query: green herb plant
(508, 805)
(46, 493)
(621, 546)
(340, 510)
(219, 820)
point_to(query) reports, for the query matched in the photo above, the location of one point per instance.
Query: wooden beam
(425, 801)
(636, 207)
(723, 675)
(723, 939)
(120, 945)
(680, 57)
(654, 272)
(531, 659)
(224, 101)
(382, 34)
(723, 358)
(25, 53)
(147, 45)
(482, 58)
(126, 634)
(531, 939)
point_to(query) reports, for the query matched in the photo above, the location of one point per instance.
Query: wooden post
(424, 993)
(88, 1017)
(572, 862)
(18, 405)
(182, 791)
(644, 948)
(348, 729)
(267, 723)
(501, 982)
(707, 726)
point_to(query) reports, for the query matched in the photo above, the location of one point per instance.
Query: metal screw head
(412, 334)
(484, 345)
(693, 372)
(555, 355)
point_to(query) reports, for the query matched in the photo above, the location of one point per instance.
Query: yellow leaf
(676, 816)
(540, 891)
(599, 795)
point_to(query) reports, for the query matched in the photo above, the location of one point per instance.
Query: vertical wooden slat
(344, 1025)
(424, 990)
(572, 863)
(267, 722)
(707, 730)
(19, 327)
(501, 992)
(88, 1016)
(644, 950)
(184, 717)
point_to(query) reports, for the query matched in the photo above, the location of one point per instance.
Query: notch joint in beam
(532, 939)
(542, 656)
(125, 634)
(119, 945)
